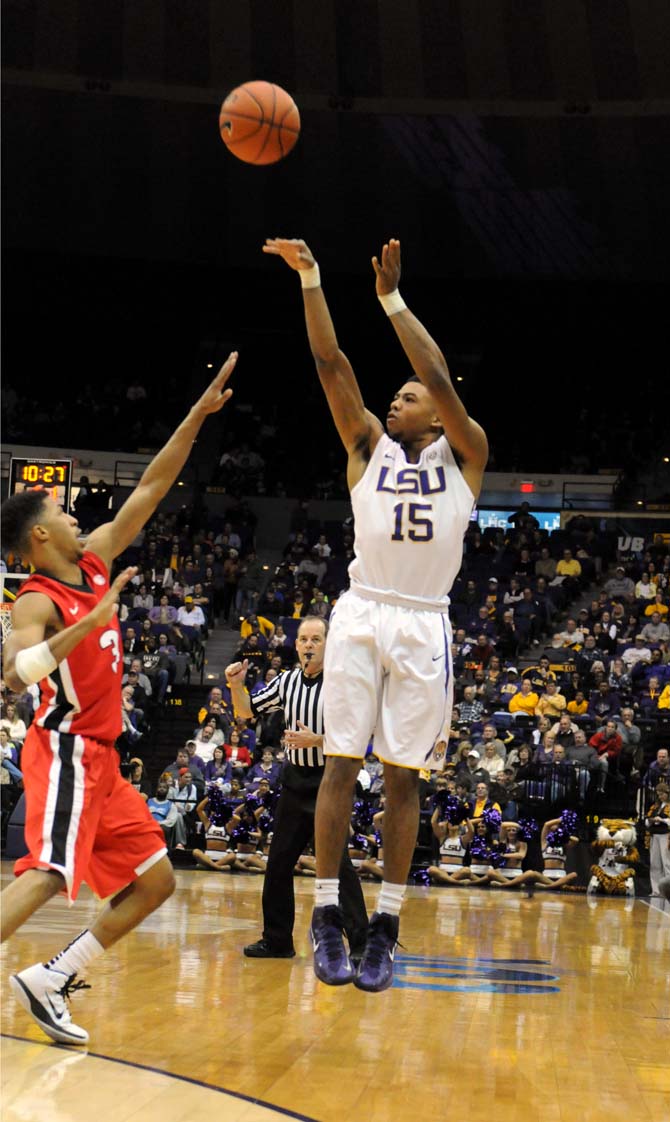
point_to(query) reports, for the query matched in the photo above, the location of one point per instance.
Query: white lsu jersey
(410, 520)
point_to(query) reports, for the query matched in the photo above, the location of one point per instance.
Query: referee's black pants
(293, 829)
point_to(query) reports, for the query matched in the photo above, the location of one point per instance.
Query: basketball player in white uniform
(388, 660)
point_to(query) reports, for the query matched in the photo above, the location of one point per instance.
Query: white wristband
(35, 663)
(310, 278)
(392, 302)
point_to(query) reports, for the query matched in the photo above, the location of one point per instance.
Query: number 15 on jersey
(412, 523)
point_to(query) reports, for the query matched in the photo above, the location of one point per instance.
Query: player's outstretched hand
(236, 673)
(216, 396)
(388, 272)
(105, 610)
(292, 250)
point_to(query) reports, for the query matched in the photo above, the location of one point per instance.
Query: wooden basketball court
(504, 1008)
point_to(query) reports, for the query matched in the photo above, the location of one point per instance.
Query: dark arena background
(520, 151)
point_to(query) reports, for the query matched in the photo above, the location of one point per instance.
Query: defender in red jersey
(83, 821)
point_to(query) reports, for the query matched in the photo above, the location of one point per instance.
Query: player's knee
(168, 883)
(401, 782)
(158, 883)
(341, 770)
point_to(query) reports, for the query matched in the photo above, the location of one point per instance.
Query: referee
(298, 692)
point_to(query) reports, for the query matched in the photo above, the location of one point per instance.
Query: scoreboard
(52, 476)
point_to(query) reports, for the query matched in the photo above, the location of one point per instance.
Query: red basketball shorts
(82, 818)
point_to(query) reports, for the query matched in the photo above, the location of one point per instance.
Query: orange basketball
(259, 123)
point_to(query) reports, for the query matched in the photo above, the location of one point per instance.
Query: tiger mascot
(615, 845)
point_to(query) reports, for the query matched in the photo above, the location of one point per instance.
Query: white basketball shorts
(388, 674)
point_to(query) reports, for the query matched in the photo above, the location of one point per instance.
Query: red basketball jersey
(83, 694)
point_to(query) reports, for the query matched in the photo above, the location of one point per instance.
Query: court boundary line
(255, 1101)
(649, 903)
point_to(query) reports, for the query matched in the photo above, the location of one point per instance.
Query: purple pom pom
(421, 876)
(362, 816)
(528, 828)
(240, 835)
(480, 851)
(455, 810)
(218, 810)
(569, 820)
(493, 818)
(558, 837)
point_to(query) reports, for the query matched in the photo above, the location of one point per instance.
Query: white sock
(76, 955)
(391, 898)
(327, 892)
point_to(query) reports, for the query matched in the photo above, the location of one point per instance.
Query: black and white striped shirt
(302, 700)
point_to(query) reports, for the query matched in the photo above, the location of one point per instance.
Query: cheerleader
(244, 833)
(361, 835)
(513, 848)
(454, 833)
(214, 816)
(482, 849)
(555, 841)
(257, 862)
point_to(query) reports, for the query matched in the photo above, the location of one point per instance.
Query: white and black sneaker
(43, 992)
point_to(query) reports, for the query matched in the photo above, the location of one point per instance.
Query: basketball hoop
(6, 620)
(10, 586)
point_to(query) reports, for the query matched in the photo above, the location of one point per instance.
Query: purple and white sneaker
(331, 960)
(375, 972)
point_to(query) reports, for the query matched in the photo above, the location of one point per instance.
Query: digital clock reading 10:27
(54, 476)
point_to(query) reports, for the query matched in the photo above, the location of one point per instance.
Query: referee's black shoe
(263, 949)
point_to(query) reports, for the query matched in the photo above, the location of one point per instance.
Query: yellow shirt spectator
(524, 702)
(568, 566)
(267, 628)
(578, 707)
(480, 806)
(661, 608)
(551, 704)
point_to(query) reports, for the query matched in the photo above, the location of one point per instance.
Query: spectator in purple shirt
(163, 612)
(218, 767)
(194, 760)
(268, 769)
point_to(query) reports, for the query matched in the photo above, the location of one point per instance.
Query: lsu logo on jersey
(412, 481)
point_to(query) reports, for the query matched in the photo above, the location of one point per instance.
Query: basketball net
(6, 620)
(7, 598)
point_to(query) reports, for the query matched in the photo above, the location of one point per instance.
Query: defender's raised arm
(109, 540)
(359, 430)
(465, 436)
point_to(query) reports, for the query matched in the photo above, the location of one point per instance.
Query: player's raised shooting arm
(357, 427)
(110, 540)
(29, 655)
(430, 366)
